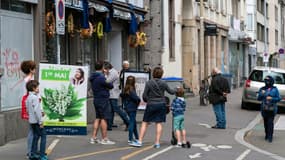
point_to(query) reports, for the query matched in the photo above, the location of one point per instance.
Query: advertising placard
(63, 90)
(141, 79)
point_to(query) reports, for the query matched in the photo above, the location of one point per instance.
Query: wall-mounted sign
(75, 4)
(60, 17)
(281, 51)
(210, 29)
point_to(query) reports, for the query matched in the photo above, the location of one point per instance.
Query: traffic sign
(60, 17)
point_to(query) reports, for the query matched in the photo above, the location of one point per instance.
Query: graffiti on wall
(12, 79)
(11, 63)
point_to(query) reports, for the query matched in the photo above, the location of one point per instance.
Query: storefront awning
(30, 1)
(98, 7)
(126, 15)
(122, 14)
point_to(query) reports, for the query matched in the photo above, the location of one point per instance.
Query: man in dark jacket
(100, 88)
(218, 96)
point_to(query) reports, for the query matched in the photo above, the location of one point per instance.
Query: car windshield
(259, 76)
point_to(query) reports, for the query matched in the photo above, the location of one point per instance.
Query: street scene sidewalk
(198, 130)
(256, 136)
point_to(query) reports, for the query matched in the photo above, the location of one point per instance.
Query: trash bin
(229, 77)
(174, 82)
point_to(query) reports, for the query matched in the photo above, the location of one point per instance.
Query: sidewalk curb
(241, 134)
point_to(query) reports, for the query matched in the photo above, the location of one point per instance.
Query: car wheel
(244, 105)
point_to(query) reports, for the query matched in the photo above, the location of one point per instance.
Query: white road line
(244, 154)
(280, 124)
(158, 153)
(204, 124)
(239, 137)
(51, 146)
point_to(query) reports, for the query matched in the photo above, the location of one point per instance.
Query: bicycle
(204, 92)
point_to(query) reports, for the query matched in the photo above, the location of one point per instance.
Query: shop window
(75, 49)
(276, 37)
(16, 6)
(171, 30)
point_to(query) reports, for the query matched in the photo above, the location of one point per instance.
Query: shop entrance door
(115, 49)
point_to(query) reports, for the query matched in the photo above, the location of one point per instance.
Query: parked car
(256, 80)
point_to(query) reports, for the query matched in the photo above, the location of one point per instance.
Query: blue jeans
(38, 133)
(121, 113)
(220, 114)
(30, 140)
(133, 126)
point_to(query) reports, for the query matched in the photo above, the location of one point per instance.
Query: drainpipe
(162, 30)
(265, 35)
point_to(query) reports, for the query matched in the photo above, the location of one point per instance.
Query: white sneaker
(94, 140)
(107, 141)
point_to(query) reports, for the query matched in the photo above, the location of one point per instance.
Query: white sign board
(60, 16)
(265, 57)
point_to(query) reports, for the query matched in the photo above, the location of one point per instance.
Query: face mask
(267, 82)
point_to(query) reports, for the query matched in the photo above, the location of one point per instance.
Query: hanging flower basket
(142, 38)
(50, 25)
(87, 32)
(100, 31)
(70, 25)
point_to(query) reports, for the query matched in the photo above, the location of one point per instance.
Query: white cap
(126, 62)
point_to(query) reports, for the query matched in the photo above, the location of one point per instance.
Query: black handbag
(268, 107)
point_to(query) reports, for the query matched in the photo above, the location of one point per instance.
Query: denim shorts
(178, 122)
(155, 113)
(102, 108)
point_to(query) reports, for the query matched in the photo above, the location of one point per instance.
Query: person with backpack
(218, 91)
(29, 69)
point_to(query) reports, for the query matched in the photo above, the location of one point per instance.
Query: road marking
(94, 153)
(209, 148)
(197, 155)
(199, 145)
(158, 153)
(126, 157)
(244, 154)
(224, 147)
(280, 124)
(204, 124)
(51, 146)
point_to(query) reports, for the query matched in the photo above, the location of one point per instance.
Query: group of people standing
(108, 86)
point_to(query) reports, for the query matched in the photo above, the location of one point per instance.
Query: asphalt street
(207, 143)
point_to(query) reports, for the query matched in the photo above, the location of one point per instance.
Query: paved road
(208, 144)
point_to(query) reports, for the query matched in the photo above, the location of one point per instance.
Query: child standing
(178, 108)
(131, 102)
(36, 120)
(29, 69)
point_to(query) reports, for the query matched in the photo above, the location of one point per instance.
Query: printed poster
(141, 79)
(63, 90)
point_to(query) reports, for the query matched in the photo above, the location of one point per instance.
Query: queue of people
(108, 85)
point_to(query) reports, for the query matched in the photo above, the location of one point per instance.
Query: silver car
(256, 80)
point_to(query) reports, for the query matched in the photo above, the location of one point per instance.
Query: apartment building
(270, 32)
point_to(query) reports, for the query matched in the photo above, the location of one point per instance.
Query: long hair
(130, 84)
